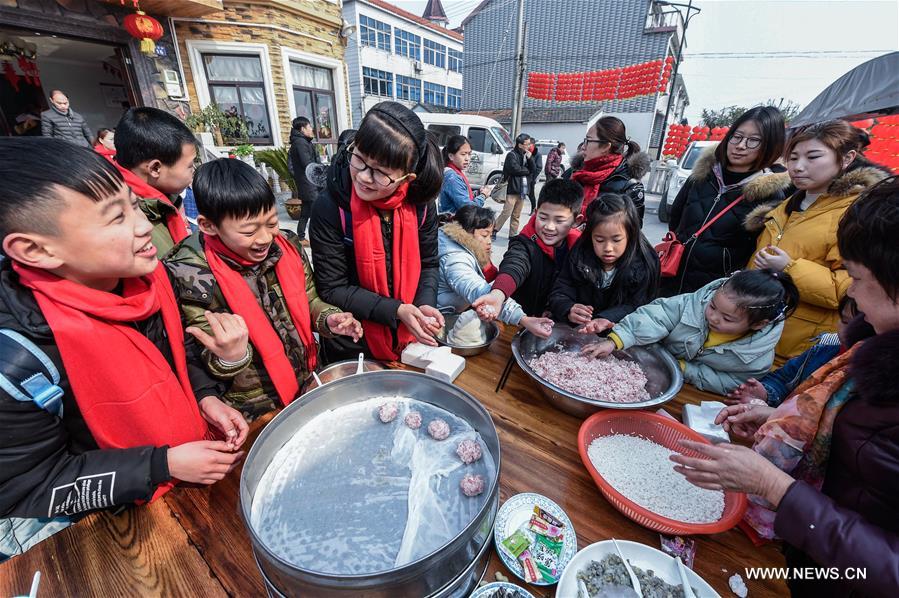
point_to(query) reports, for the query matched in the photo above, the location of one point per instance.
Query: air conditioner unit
(416, 66)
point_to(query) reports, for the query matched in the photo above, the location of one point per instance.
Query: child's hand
(418, 323)
(226, 420)
(344, 324)
(202, 462)
(541, 327)
(747, 392)
(595, 326)
(601, 349)
(580, 314)
(488, 306)
(229, 336)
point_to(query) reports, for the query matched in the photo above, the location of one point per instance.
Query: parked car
(681, 172)
(490, 142)
(544, 145)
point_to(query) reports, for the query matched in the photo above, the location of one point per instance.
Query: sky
(744, 52)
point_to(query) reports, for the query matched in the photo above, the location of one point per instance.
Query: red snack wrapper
(544, 528)
(548, 517)
(529, 565)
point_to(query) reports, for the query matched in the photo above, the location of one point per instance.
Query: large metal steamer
(452, 570)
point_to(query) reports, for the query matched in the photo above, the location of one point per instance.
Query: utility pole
(520, 51)
(680, 49)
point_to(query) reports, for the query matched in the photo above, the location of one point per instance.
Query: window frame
(382, 33)
(439, 55)
(389, 82)
(456, 95)
(315, 91)
(434, 91)
(411, 47)
(454, 55)
(238, 85)
(405, 82)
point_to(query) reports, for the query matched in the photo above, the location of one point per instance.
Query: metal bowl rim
(466, 531)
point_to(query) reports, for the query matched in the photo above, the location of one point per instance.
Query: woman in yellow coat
(799, 235)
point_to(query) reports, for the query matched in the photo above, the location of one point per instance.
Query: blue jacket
(781, 382)
(454, 193)
(461, 278)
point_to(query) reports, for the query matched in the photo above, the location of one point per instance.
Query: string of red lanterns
(680, 135)
(621, 83)
(884, 136)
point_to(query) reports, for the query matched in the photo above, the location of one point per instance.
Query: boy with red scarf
(241, 263)
(82, 285)
(536, 255)
(155, 154)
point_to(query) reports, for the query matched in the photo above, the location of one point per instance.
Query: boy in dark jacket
(126, 406)
(535, 256)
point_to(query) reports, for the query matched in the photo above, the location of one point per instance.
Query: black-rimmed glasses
(378, 176)
(751, 142)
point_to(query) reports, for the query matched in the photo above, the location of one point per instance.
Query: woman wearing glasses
(374, 235)
(799, 235)
(612, 163)
(741, 166)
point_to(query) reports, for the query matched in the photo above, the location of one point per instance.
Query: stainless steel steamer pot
(449, 566)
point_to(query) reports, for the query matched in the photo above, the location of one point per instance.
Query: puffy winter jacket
(461, 276)
(581, 282)
(302, 154)
(516, 171)
(330, 235)
(810, 238)
(45, 462)
(679, 324)
(854, 520)
(454, 193)
(553, 166)
(70, 126)
(527, 274)
(727, 245)
(625, 180)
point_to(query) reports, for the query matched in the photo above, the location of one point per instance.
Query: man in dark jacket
(302, 154)
(62, 122)
(535, 165)
(516, 173)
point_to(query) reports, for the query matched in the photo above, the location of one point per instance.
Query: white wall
(81, 83)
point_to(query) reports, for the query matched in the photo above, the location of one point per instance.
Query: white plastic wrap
(348, 494)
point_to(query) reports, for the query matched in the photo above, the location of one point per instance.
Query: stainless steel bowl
(445, 571)
(664, 376)
(450, 321)
(341, 369)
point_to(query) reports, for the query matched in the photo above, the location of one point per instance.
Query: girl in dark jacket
(743, 164)
(611, 163)
(374, 235)
(611, 271)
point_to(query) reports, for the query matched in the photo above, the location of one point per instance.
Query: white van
(490, 142)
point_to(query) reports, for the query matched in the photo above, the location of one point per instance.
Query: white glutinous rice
(641, 470)
(608, 379)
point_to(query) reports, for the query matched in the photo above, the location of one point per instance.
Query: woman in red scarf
(611, 163)
(105, 143)
(456, 191)
(374, 235)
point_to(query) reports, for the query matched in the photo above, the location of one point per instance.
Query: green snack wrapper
(546, 553)
(517, 543)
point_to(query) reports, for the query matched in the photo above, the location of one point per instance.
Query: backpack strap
(29, 375)
(346, 222)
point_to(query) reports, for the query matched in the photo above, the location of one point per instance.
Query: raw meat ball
(469, 451)
(413, 420)
(471, 485)
(388, 411)
(439, 429)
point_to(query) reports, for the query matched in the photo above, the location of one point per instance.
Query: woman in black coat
(302, 154)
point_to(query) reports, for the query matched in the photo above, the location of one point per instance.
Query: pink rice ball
(439, 429)
(471, 484)
(388, 412)
(469, 451)
(413, 420)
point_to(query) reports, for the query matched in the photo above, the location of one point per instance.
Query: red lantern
(145, 28)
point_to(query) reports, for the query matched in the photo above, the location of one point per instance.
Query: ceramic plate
(488, 590)
(515, 514)
(640, 555)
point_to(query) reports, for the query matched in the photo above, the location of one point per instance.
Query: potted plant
(211, 119)
(278, 159)
(244, 152)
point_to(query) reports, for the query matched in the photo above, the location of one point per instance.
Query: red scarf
(594, 173)
(371, 263)
(241, 300)
(104, 151)
(125, 389)
(173, 220)
(530, 231)
(464, 178)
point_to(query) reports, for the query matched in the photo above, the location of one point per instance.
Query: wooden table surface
(193, 543)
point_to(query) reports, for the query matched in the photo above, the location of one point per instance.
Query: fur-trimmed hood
(638, 164)
(758, 189)
(862, 174)
(454, 232)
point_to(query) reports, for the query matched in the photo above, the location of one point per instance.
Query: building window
(408, 88)
(435, 94)
(454, 60)
(454, 98)
(236, 85)
(407, 44)
(374, 33)
(377, 83)
(435, 54)
(313, 97)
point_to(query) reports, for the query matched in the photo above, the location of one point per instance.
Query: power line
(496, 61)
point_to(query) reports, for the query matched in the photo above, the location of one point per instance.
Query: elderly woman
(840, 508)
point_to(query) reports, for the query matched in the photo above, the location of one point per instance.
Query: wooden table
(192, 543)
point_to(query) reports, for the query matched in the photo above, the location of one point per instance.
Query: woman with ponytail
(374, 235)
(611, 163)
(456, 191)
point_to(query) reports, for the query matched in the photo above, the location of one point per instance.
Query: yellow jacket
(810, 239)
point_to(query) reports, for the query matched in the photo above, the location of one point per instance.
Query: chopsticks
(504, 377)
